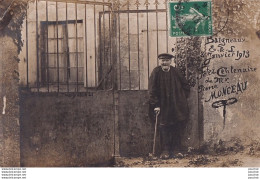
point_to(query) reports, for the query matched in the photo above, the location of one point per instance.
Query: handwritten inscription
(215, 78)
(227, 53)
(224, 71)
(219, 82)
(218, 48)
(237, 88)
(203, 88)
(223, 41)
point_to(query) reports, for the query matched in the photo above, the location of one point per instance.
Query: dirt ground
(231, 160)
(238, 156)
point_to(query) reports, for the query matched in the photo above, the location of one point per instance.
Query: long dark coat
(169, 91)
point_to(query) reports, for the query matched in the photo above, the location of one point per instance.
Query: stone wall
(9, 117)
(10, 42)
(232, 75)
(67, 130)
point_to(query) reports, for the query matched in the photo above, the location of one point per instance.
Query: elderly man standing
(168, 92)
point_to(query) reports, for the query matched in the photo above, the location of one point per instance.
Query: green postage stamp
(190, 18)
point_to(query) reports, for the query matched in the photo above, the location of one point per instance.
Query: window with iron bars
(63, 51)
(63, 45)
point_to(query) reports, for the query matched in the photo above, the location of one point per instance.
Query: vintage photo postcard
(130, 83)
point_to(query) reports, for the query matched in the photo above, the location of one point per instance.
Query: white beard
(165, 68)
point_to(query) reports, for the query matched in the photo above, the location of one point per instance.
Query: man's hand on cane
(157, 110)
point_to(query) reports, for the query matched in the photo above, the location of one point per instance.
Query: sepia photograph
(130, 83)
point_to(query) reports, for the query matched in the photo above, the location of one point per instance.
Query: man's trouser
(170, 137)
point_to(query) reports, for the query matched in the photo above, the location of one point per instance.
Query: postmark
(190, 18)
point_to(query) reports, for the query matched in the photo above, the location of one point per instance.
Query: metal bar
(86, 46)
(83, 2)
(157, 35)
(115, 83)
(129, 48)
(95, 37)
(57, 34)
(114, 52)
(166, 28)
(119, 53)
(68, 54)
(137, 11)
(63, 53)
(104, 47)
(100, 69)
(147, 40)
(110, 50)
(114, 125)
(77, 57)
(114, 86)
(47, 27)
(63, 22)
(138, 46)
(27, 51)
(37, 45)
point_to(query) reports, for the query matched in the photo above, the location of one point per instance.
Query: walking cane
(155, 132)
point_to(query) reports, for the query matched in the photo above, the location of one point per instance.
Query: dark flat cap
(165, 55)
